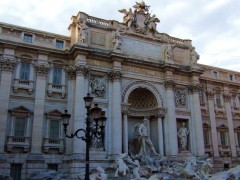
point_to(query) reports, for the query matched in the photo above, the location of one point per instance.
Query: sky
(212, 25)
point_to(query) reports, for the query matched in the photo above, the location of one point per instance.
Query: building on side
(132, 71)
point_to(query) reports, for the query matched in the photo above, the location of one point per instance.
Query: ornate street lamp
(93, 130)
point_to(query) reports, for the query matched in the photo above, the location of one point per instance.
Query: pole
(88, 140)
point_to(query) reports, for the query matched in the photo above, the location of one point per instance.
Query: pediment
(20, 109)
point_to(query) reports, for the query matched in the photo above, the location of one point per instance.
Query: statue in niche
(194, 57)
(117, 40)
(146, 145)
(182, 136)
(97, 86)
(180, 97)
(83, 32)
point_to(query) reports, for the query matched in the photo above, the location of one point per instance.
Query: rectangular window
(231, 77)
(24, 71)
(218, 100)
(57, 76)
(27, 38)
(201, 98)
(215, 74)
(234, 101)
(206, 137)
(59, 44)
(223, 137)
(16, 171)
(19, 126)
(54, 129)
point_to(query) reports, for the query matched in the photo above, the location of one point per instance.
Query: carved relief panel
(180, 97)
(97, 85)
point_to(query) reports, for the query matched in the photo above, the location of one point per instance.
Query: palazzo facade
(133, 72)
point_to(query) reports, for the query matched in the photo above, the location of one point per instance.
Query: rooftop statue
(140, 20)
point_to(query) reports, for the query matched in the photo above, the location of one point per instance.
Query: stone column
(227, 100)
(197, 118)
(160, 135)
(8, 64)
(125, 132)
(38, 116)
(171, 119)
(210, 98)
(116, 112)
(79, 115)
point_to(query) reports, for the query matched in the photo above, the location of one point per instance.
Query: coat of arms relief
(140, 20)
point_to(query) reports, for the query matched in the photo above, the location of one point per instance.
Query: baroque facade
(133, 72)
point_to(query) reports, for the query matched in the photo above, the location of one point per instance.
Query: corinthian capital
(169, 84)
(195, 88)
(210, 95)
(81, 70)
(8, 63)
(71, 73)
(115, 75)
(41, 69)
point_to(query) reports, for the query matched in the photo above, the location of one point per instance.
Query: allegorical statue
(182, 136)
(117, 40)
(83, 32)
(144, 139)
(194, 57)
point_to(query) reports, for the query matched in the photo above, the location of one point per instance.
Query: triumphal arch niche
(143, 119)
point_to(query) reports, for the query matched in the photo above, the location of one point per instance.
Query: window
(19, 126)
(223, 138)
(16, 171)
(215, 74)
(25, 71)
(231, 77)
(54, 129)
(57, 76)
(27, 38)
(206, 137)
(218, 99)
(201, 98)
(59, 44)
(234, 101)
(238, 138)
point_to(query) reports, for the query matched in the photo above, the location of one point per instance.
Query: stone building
(132, 71)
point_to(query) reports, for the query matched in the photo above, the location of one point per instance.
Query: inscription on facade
(133, 46)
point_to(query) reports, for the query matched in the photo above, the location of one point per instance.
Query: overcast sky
(212, 25)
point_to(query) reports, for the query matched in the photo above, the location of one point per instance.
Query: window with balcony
(57, 82)
(24, 75)
(59, 44)
(53, 141)
(223, 138)
(234, 104)
(19, 134)
(28, 38)
(218, 99)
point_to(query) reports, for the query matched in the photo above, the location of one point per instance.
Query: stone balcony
(15, 142)
(224, 150)
(51, 144)
(58, 89)
(23, 84)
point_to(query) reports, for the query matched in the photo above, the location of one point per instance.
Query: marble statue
(117, 40)
(144, 139)
(168, 55)
(190, 168)
(99, 174)
(182, 135)
(233, 173)
(122, 168)
(194, 57)
(83, 32)
(151, 22)
(205, 167)
(128, 17)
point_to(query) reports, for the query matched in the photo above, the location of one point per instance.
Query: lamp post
(92, 131)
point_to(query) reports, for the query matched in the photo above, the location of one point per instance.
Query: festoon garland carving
(169, 84)
(195, 88)
(8, 63)
(41, 68)
(227, 98)
(116, 74)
